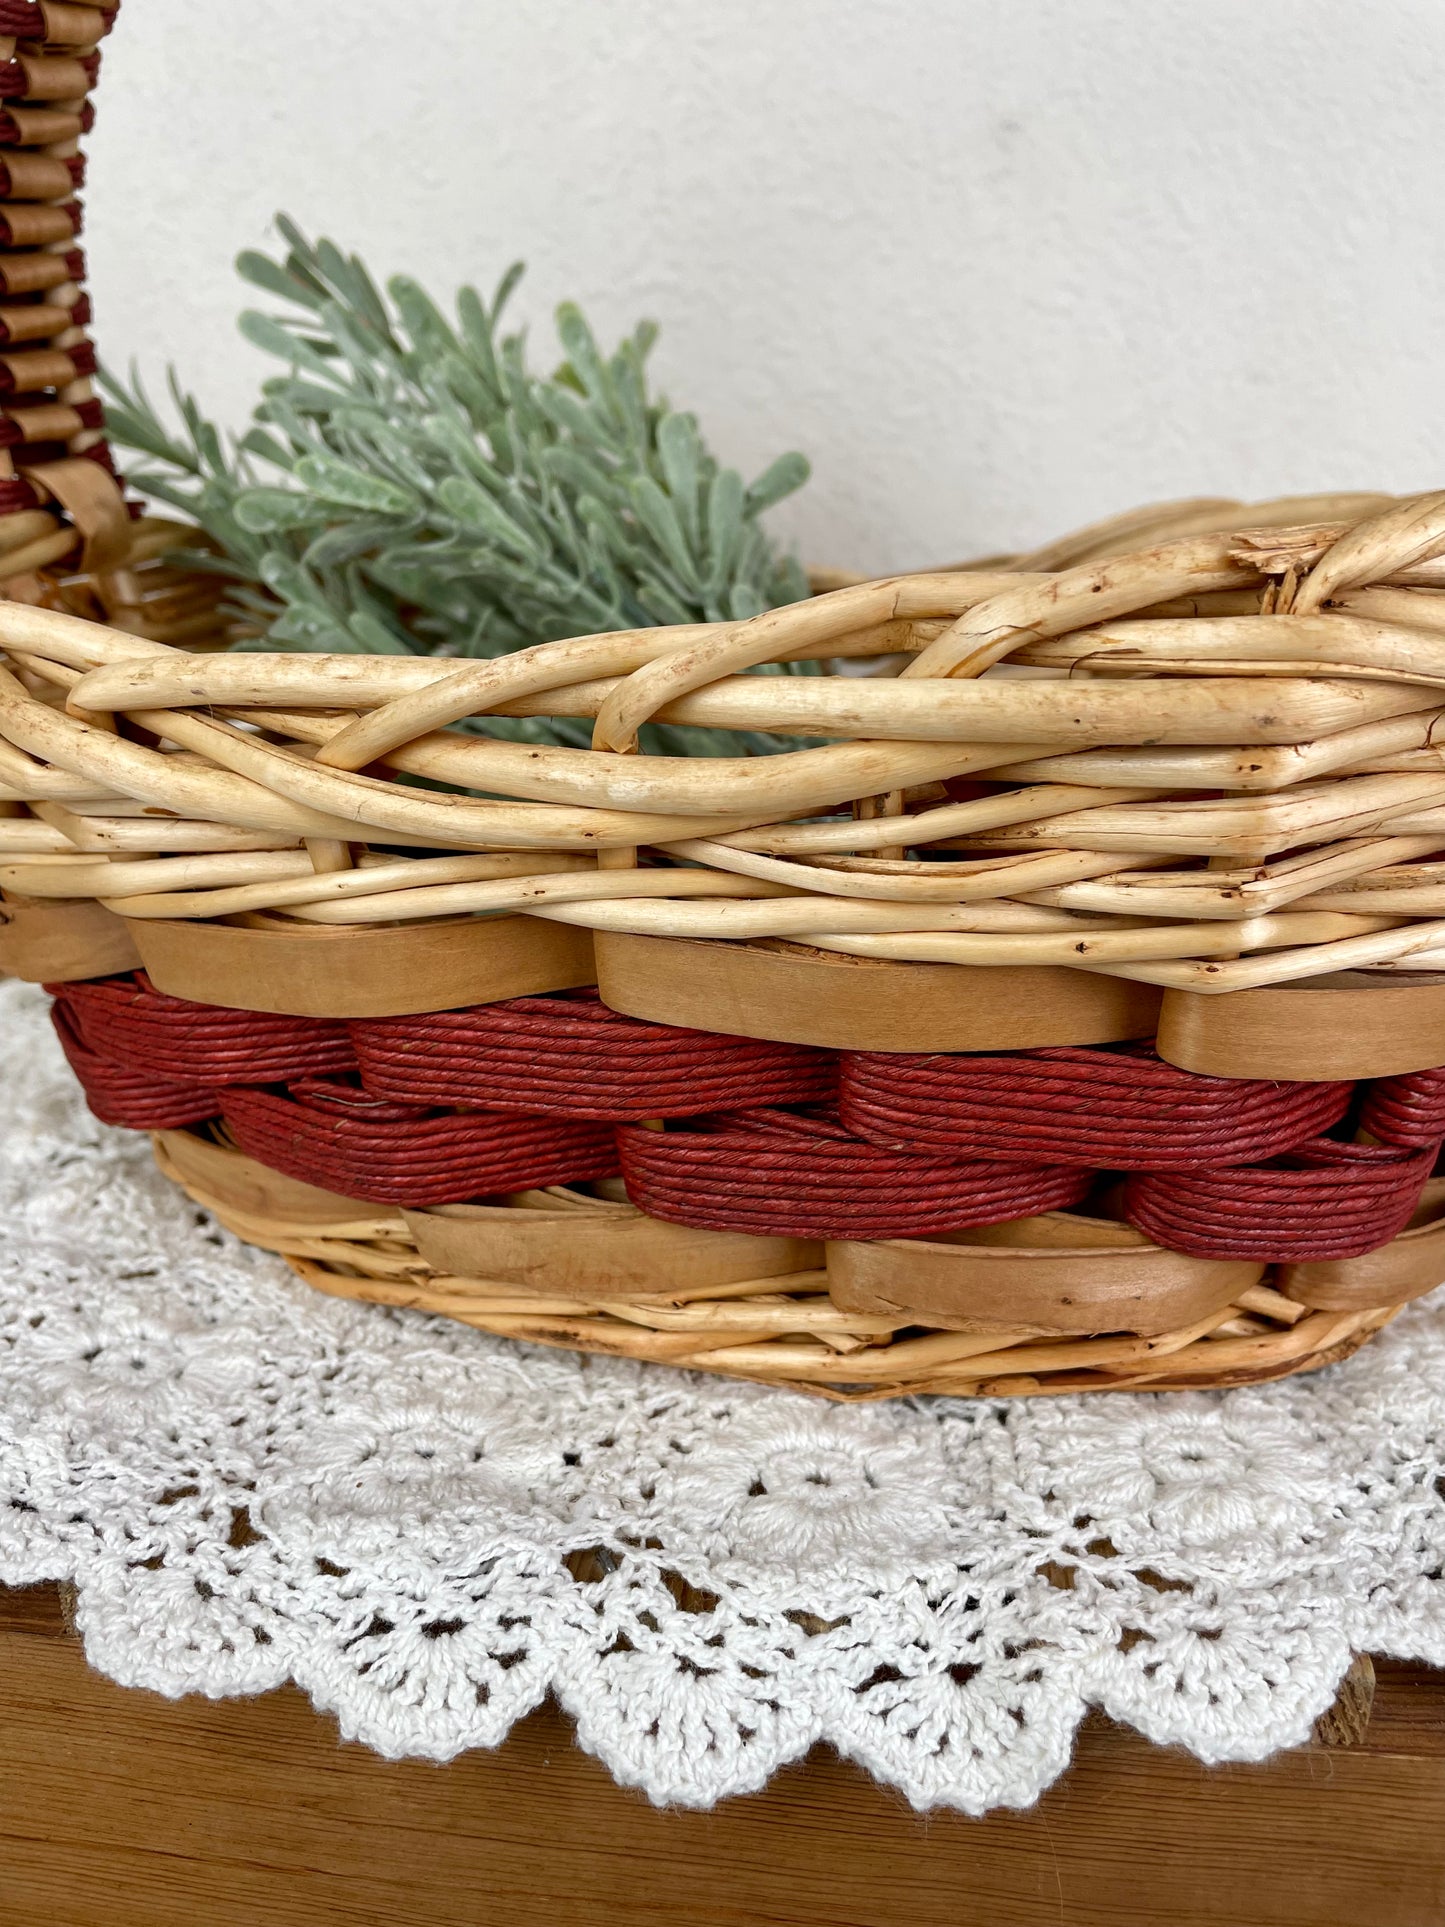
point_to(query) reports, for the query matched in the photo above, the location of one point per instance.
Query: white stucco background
(998, 266)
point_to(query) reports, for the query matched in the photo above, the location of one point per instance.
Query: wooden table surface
(123, 1809)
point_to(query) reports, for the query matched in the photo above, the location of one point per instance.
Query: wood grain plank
(43, 1611)
(122, 1809)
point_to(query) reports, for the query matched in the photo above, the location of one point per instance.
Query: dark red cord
(923, 1145)
(331, 1134)
(1321, 1200)
(1120, 1109)
(131, 1096)
(128, 1021)
(570, 1056)
(1407, 1110)
(778, 1174)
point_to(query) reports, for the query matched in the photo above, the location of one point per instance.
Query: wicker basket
(68, 539)
(1070, 1018)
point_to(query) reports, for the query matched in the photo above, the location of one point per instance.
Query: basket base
(1058, 1275)
(294, 969)
(790, 994)
(562, 1241)
(785, 1330)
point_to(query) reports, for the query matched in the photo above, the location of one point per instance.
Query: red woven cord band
(129, 1022)
(1321, 1200)
(1407, 1110)
(129, 1095)
(333, 1135)
(923, 1144)
(570, 1056)
(778, 1174)
(16, 494)
(40, 452)
(1123, 1109)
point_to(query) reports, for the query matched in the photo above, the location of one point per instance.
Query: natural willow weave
(1207, 764)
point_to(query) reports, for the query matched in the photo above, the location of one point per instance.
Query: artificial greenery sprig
(410, 484)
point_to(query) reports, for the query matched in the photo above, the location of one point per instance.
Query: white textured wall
(998, 266)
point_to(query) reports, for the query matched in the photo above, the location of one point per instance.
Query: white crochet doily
(428, 1529)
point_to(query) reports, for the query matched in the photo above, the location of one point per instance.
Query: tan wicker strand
(1091, 720)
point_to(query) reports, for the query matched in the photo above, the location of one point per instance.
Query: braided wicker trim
(59, 496)
(1219, 772)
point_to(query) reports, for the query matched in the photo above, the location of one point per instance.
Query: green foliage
(410, 485)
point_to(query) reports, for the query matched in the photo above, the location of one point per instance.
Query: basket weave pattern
(59, 498)
(428, 1111)
(1209, 765)
(873, 1100)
